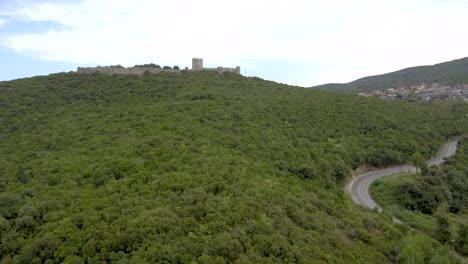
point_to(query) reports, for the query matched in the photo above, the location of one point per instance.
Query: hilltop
(200, 167)
(447, 73)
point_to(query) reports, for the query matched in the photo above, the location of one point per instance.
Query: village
(422, 92)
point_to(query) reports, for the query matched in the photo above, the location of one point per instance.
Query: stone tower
(197, 64)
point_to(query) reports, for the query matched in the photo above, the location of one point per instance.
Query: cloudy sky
(295, 41)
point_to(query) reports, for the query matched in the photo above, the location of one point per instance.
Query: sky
(298, 42)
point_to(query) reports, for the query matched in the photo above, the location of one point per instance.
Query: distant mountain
(452, 72)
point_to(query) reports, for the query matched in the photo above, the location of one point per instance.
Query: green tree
(3, 183)
(414, 249)
(22, 175)
(417, 160)
(462, 240)
(442, 232)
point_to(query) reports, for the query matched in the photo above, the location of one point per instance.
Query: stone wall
(197, 65)
(224, 69)
(130, 70)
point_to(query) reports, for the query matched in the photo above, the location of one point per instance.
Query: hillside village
(422, 92)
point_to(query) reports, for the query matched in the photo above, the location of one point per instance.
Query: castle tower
(197, 64)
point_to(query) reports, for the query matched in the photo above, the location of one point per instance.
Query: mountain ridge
(450, 72)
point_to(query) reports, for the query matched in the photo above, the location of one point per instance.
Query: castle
(197, 65)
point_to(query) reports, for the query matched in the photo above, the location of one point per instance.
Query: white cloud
(351, 38)
(2, 21)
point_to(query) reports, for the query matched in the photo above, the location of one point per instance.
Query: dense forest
(442, 187)
(200, 167)
(435, 201)
(446, 185)
(450, 73)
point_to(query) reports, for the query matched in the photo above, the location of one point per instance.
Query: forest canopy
(199, 167)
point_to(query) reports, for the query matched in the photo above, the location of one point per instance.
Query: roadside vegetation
(201, 167)
(434, 202)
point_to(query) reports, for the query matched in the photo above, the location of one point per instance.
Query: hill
(452, 72)
(199, 168)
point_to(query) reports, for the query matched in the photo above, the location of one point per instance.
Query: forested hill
(452, 72)
(199, 168)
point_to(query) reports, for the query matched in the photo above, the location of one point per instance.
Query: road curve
(359, 187)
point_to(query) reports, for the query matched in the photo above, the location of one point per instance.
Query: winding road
(359, 187)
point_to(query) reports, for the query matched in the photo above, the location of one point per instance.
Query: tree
(462, 240)
(167, 68)
(151, 65)
(459, 109)
(417, 160)
(176, 67)
(3, 183)
(442, 232)
(414, 249)
(22, 175)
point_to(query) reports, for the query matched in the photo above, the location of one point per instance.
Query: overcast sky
(296, 42)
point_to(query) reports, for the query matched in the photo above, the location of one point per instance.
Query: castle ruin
(197, 65)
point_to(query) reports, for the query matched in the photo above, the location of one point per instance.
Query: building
(465, 92)
(197, 64)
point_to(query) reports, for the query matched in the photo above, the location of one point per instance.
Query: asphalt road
(359, 187)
